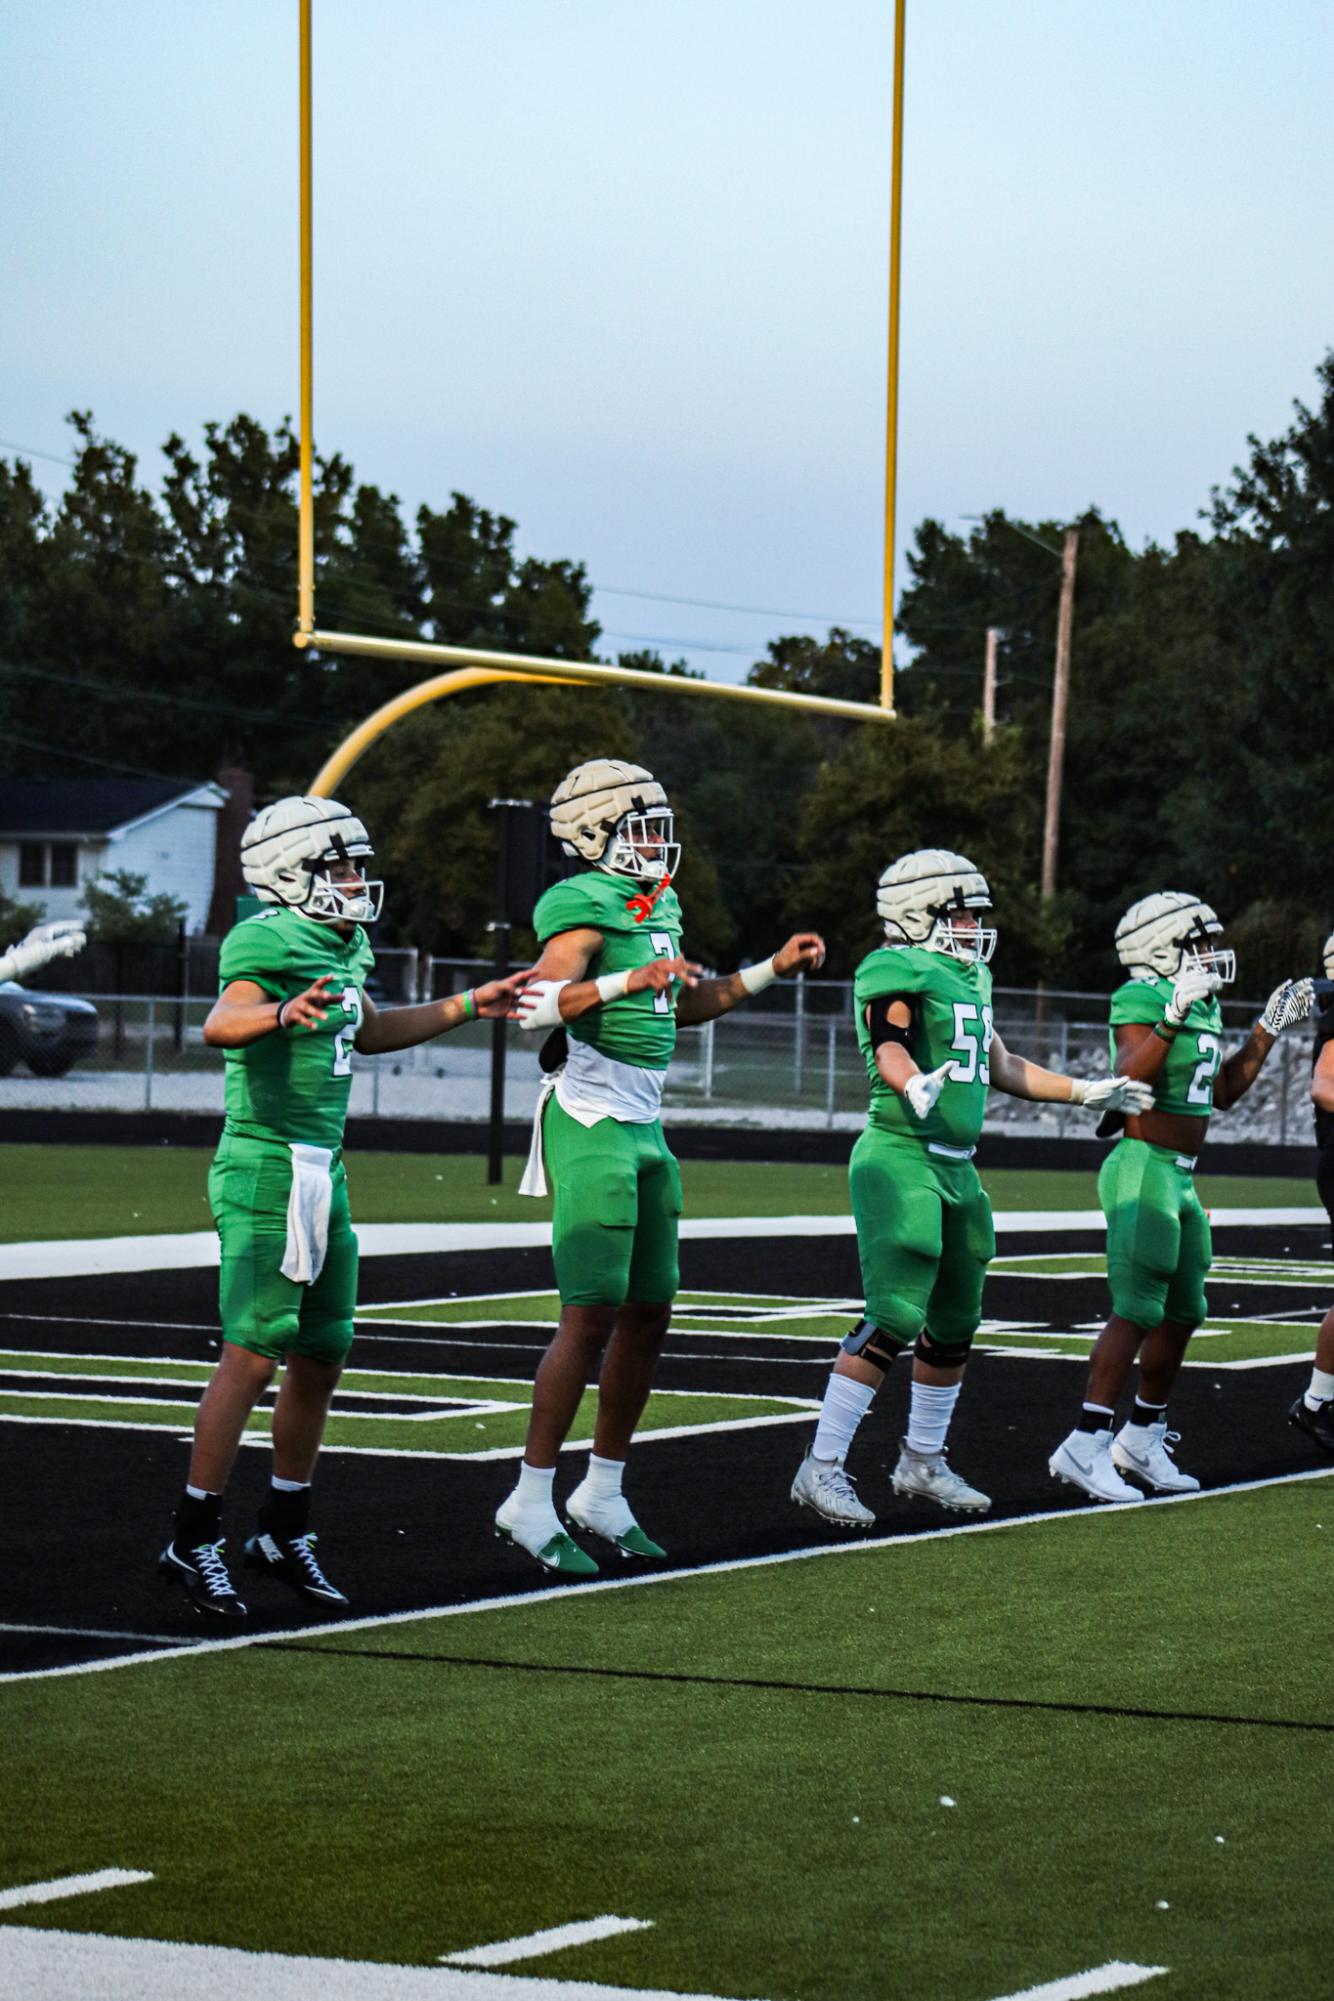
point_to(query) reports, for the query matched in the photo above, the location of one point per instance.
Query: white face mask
(343, 903)
(1218, 962)
(973, 943)
(643, 846)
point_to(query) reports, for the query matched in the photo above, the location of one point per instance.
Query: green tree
(121, 912)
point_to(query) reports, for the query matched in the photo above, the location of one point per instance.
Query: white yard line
(90, 1633)
(37, 1964)
(70, 1886)
(556, 1938)
(647, 1579)
(196, 1249)
(1108, 1979)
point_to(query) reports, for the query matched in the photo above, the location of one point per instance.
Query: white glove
(921, 1091)
(58, 940)
(1294, 1001)
(1194, 984)
(539, 1004)
(1112, 1094)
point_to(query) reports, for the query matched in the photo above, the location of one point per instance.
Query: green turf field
(946, 1770)
(105, 1191)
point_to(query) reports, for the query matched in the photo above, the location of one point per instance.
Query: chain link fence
(788, 1059)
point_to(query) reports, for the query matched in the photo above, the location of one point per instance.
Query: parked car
(48, 1032)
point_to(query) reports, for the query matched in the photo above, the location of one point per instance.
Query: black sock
(198, 1520)
(1095, 1417)
(1147, 1413)
(286, 1512)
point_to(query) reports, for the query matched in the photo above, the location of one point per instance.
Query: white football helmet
(615, 816)
(916, 895)
(286, 853)
(1163, 934)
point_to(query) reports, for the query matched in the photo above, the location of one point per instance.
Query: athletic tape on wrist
(756, 978)
(612, 986)
(545, 1010)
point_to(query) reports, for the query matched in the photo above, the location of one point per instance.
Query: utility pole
(1059, 699)
(989, 687)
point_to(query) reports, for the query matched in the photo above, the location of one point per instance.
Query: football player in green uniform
(926, 1029)
(612, 982)
(1313, 1411)
(1167, 1031)
(291, 1010)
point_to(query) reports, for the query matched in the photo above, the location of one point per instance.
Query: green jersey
(1185, 1084)
(638, 1028)
(294, 1084)
(952, 1022)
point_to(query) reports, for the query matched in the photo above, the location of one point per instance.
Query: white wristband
(612, 986)
(545, 1010)
(756, 978)
(1079, 1090)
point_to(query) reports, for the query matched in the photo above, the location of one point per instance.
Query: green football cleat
(609, 1516)
(542, 1536)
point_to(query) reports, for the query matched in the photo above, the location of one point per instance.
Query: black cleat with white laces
(202, 1574)
(1317, 1424)
(292, 1560)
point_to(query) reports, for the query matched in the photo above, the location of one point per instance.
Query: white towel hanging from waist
(534, 1180)
(308, 1213)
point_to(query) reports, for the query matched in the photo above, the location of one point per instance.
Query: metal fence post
(829, 1070)
(707, 1053)
(799, 1038)
(148, 1061)
(1062, 1116)
(1285, 1049)
(375, 1087)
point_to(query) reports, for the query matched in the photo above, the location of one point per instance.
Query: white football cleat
(823, 1484)
(1146, 1451)
(930, 1476)
(1084, 1460)
(609, 1516)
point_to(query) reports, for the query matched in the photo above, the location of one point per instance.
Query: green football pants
(248, 1186)
(1159, 1249)
(924, 1237)
(617, 1207)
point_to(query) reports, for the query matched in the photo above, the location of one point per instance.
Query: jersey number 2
(1201, 1088)
(347, 1035)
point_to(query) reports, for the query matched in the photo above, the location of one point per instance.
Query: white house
(56, 834)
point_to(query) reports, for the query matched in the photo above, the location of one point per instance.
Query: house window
(48, 865)
(64, 865)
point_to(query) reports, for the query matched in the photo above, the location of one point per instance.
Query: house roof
(83, 808)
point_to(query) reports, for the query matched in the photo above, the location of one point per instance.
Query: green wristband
(469, 1006)
(1166, 1033)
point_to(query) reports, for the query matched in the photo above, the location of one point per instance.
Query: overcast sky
(618, 268)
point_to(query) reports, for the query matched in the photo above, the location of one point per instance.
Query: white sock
(534, 1488)
(290, 1486)
(846, 1402)
(929, 1415)
(602, 1481)
(200, 1493)
(1320, 1389)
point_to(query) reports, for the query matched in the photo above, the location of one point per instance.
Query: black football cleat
(203, 1576)
(1317, 1424)
(292, 1560)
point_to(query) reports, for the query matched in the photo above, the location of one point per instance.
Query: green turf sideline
(86, 1191)
(555, 1592)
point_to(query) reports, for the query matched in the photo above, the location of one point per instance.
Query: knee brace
(873, 1344)
(942, 1354)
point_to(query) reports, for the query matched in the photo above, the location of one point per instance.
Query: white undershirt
(593, 1086)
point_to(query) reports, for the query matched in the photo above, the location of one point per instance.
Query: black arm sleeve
(882, 1029)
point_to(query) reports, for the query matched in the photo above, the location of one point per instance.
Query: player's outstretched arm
(707, 999)
(1287, 1006)
(388, 1028)
(244, 1011)
(1019, 1078)
(58, 940)
(556, 990)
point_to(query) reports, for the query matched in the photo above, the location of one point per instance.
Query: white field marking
(88, 1633)
(1108, 1979)
(36, 1964)
(261, 1440)
(86, 1320)
(465, 1407)
(198, 1249)
(1095, 1512)
(71, 1886)
(554, 1939)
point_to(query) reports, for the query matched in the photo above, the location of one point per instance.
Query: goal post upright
(471, 667)
(892, 395)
